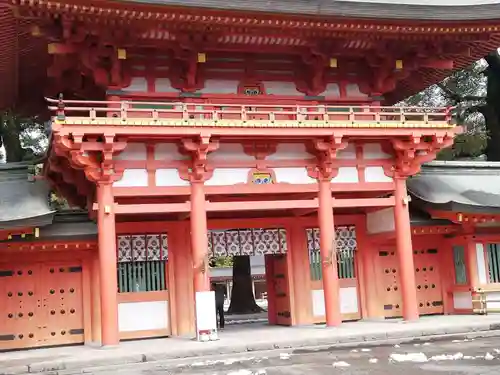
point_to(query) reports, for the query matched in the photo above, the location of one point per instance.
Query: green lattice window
(459, 261)
(142, 263)
(493, 251)
(345, 238)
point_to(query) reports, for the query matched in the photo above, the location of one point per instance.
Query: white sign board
(206, 318)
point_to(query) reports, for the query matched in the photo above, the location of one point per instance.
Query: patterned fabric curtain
(246, 242)
(142, 247)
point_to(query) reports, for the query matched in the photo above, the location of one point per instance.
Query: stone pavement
(250, 337)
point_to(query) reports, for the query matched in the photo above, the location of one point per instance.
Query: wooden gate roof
(23, 57)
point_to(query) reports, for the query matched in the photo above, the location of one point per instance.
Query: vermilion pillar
(471, 256)
(199, 237)
(405, 251)
(108, 282)
(328, 255)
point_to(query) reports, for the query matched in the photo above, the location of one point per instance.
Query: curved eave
(28, 222)
(458, 186)
(24, 58)
(405, 10)
(62, 179)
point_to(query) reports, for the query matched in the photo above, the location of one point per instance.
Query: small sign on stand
(206, 317)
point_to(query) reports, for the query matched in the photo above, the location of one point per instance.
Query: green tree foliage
(475, 94)
(23, 138)
(221, 262)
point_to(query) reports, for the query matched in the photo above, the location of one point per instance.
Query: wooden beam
(261, 205)
(364, 202)
(308, 204)
(163, 208)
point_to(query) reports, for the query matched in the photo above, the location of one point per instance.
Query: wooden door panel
(389, 281)
(19, 324)
(428, 280)
(40, 305)
(62, 303)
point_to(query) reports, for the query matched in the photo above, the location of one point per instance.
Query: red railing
(271, 115)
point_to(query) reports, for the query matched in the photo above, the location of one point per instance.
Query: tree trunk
(242, 298)
(10, 134)
(491, 111)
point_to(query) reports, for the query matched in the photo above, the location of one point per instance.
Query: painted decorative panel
(234, 242)
(346, 246)
(142, 247)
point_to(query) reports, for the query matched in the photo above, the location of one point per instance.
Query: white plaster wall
(228, 176)
(376, 174)
(462, 300)
(137, 84)
(347, 153)
(169, 177)
(293, 175)
(230, 152)
(352, 89)
(332, 90)
(374, 151)
(133, 151)
(290, 151)
(164, 85)
(141, 316)
(346, 175)
(380, 221)
(213, 86)
(280, 88)
(257, 260)
(481, 264)
(348, 301)
(168, 152)
(493, 296)
(133, 178)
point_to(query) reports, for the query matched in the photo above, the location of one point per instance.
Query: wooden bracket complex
(199, 149)
(326, 155)
(411, 154)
